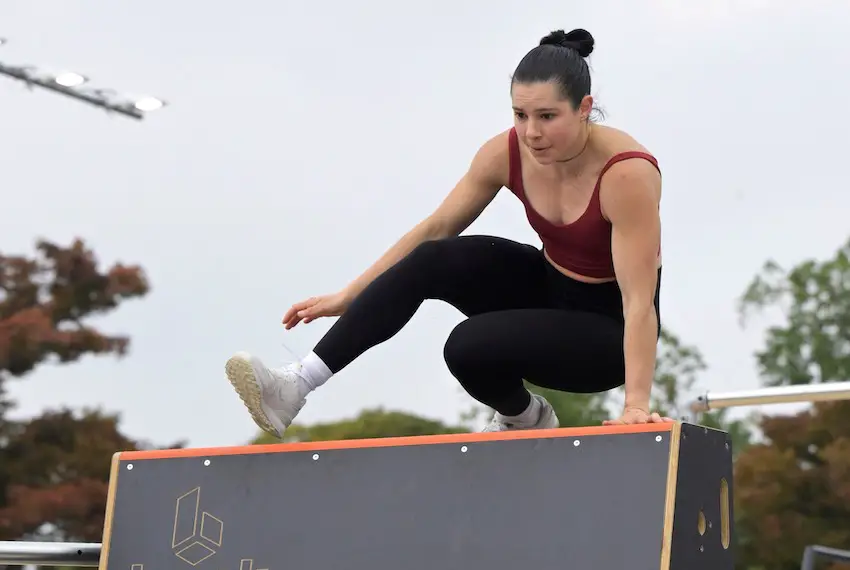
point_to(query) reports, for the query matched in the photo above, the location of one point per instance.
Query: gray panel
(537, 503)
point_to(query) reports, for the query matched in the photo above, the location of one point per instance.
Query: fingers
(632, 417)
(307, 311)
(296, 312)
(293, 310)
(632, 420)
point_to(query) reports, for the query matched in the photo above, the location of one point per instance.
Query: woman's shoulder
(612, 141)
(494, 156)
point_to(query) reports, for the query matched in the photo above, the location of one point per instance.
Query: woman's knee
(466, 354)
(457, 252)
(415, 274)
(427, 252)
(426, 259)
(470, 356)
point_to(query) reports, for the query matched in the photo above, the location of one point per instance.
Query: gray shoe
(272, 395)
(547, 419)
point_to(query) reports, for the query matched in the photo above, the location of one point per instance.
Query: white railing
(50, 553)
(828, 391)
(814, 552)
(88, 554)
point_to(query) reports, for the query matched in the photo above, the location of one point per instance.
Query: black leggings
(526, 320)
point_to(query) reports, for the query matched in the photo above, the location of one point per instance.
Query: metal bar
(812, 552)
(19, 74)
(50, 553)
(828, 391)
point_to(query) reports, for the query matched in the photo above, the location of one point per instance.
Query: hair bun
(578, 39)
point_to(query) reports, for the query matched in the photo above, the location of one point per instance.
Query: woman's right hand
(332, 305)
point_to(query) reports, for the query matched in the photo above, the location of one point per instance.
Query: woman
(580, 314)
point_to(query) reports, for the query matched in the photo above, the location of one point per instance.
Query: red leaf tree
(54, 469)
(793, 489)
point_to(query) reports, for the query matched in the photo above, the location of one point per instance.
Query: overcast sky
(303, 139)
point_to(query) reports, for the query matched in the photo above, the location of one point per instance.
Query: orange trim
(394, 441)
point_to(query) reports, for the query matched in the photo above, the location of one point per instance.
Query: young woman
(580, 314)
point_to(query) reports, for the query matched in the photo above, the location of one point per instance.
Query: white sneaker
(547, 419)
(273, 396)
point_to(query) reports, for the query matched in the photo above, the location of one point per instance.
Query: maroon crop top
(583, 246)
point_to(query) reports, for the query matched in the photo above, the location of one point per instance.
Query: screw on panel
(464, 449)
(130, 467)
(206, 462)
(576, 443)
(315, 456)
(657, 438)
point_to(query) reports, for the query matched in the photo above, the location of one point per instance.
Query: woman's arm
(630, 196)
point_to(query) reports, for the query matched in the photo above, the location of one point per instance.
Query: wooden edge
(110, 508)
(399, 441)
(670, 498)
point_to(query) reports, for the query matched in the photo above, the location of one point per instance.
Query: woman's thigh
(478, 274)
(571, 351)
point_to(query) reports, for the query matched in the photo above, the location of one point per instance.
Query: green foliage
(814, 298)
(677, 371)
(792, 489)
(368, 424)
(575, 410)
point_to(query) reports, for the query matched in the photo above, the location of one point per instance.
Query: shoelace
(282, 387)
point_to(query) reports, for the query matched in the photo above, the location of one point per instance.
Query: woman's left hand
(632, 415)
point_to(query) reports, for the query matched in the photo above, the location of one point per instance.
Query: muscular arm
(486, 175)
(630, 195)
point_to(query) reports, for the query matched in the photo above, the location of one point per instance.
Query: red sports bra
(583, 246)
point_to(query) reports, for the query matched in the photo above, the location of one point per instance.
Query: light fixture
(73, 85)
(148, 104)
(70, 79)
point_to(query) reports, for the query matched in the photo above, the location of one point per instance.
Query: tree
(43, 303)
(368, 424)
(675, 385)
(790, 490)
(814, 299)
(56, 471)
(54, 468)
(793, 489)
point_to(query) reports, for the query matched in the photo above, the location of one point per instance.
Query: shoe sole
(240, 372)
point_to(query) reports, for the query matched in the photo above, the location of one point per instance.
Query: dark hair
(560, 58)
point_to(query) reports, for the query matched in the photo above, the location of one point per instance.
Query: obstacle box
(646, 497)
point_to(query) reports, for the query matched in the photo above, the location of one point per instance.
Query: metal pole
(812, 552)
(809, 559)
(50, 553)
(829, 391)
(20, 74)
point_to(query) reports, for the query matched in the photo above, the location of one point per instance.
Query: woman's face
(546, 122)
